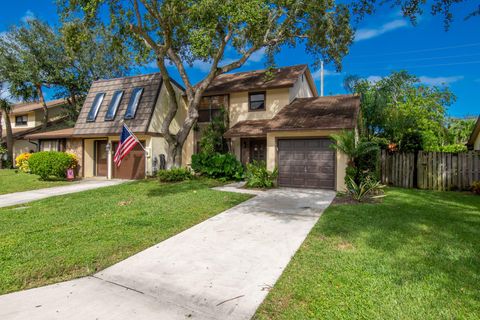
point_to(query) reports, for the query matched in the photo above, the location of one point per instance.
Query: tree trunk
(174, 156)
(44, 106)
(8, 127)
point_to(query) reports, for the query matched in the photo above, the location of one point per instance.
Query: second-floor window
(92, 114)
(113, 106)
(256, 101)
(133, 103)
(211, 106)
(21, 120)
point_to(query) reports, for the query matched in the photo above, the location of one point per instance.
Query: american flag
(126, 144)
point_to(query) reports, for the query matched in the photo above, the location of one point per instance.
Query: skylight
(113, 106)
(133, 103)
(92, 114)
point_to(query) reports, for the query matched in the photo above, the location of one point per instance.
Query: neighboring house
(274, 116)
(474, 141)
(26, 118)
(140, 102)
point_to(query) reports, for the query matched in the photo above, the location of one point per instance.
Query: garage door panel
(306, 163)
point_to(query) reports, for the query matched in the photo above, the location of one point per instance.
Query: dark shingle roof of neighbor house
(474, 134)
(24, 133)
(51, 134)
(151, 84)
(317, 113)
(26, 107)
(255, 80)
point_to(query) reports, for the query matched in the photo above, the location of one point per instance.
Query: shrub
(259, 177)
(476, 187)
(367, 188)
(21, 162)
(174, 175)
(218, 166)
(51, 164)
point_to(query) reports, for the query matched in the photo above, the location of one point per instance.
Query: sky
(384, 42)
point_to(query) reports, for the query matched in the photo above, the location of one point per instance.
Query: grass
(75, 235)
(414, 256)
(16, 181)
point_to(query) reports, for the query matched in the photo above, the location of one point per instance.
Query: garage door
(132, 166)
(306, 163)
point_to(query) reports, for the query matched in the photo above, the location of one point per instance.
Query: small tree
(5, 108)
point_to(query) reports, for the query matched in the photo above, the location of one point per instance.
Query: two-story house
(27, 118)
(474, 139)
(277, 117)
(274, 116)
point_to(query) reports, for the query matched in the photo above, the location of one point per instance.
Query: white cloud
(438, 81)
(29, 15)
(257, 56)
(374, 79)
(326, 73)
(203, 66)
(369, 33)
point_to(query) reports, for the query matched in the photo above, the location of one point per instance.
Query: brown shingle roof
(52, 134)
(330, 112)
(21, 133)
(318, 113)
(151, 84)
(20, 108)
(255, 80)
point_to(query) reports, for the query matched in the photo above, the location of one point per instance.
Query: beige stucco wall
(21, 146)
(276, 99)
(341, 159)
(476, 144)
(301, 89)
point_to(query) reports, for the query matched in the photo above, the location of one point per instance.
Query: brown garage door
(306, 163)
(132, 166)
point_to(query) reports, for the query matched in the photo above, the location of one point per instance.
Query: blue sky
(384, 42)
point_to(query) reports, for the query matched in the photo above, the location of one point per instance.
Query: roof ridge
(304, 65)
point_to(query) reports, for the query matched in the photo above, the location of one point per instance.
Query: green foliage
(258, 176)
(363, 156)
(218, 166)
(174, 175)
(453, 148)
(365, 189)
(476, 187)
(51, 164)
(403, 111)
(459, 130)
(212, 140)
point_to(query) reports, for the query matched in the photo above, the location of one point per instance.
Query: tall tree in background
(35, 55)
(181, 32)
(5, 108)
(402, 110)
(29, 58)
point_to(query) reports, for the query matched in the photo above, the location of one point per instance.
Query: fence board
(434, 170)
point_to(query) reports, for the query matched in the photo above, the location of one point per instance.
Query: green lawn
(415, 256)
(75, 235)
(12, 181)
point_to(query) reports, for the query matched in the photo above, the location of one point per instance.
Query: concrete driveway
(11, 199)
(221, 268)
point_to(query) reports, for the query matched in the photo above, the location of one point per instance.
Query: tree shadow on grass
(172, 188)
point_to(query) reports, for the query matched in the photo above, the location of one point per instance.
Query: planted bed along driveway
(221, 268)
(11, 199)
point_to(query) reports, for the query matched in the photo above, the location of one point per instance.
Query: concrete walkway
(11, 199)
(221, 268)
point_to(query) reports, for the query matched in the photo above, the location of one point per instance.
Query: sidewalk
(11, 199)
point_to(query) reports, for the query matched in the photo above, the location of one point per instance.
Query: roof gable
(475, 133)
(151, 84)
(25, 107)
(256, 80)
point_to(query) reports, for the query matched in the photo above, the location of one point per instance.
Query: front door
(253, 150)
(101, 158)
(132, 166)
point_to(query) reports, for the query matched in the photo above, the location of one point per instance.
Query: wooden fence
(431, 170)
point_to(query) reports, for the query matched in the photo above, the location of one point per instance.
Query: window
(133, 103)
(21, 120)
(113, 106)
(92, 114)
(256, 101)
(210, 107)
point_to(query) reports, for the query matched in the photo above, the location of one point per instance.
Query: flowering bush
(21, 162)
